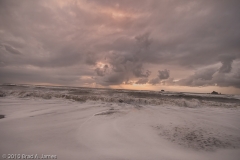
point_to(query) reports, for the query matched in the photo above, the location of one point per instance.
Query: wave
(189, 100)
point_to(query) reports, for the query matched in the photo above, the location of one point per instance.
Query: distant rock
(162, 90)
(214, 92)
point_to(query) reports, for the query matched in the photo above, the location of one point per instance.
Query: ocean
(136, 97)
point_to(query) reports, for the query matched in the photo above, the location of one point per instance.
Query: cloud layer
(92, 42)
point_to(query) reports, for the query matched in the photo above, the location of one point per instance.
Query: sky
(175, 45)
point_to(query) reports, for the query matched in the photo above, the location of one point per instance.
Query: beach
(182, 129)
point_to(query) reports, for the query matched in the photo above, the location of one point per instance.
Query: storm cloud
(214, 75)
(164, 74)
(101, 71)
(154, 81)
(142, 81)
(226, 63)
(88, 42)
(10, 49)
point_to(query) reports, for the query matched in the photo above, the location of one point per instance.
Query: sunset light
(120, 79)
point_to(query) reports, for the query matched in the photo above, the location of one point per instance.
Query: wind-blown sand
(118, 131)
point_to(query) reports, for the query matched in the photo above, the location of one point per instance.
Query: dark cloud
(101, 71)
(138, 71)
(142, 81)
(154, 81)
(128, 65)
(113, 79)
(133, 37)
(164, 74)
(143, 40)
(11, 49)
(213, 76)
(44, 76)
(226, 61)
(201, 77)
(91, 58)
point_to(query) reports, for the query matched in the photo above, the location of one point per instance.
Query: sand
(118, 131)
